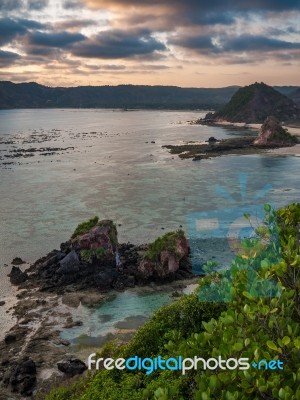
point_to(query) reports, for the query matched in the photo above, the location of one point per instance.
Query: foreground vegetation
(257, 317)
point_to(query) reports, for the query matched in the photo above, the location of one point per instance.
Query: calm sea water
(59, 167)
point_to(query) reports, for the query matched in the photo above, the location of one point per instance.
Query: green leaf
(271, 345)
(285, 340)
(281, 393)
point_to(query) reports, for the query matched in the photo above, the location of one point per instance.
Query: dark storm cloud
(12, 28)
(57, 39)
(210, 18)
(205, 44)
(258, 43)
(118, 44)
(7, 58)
(42, 51)
(200, 42)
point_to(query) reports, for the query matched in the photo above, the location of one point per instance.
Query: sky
(188, 43)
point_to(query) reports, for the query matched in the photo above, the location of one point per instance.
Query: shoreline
(61, 290)
(234, 146)
(42, 317)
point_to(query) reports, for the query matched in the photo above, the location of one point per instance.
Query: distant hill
(286, 90)
(33, 95)
(254, 103)
(295, 96)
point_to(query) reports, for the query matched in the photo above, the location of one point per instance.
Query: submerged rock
(272, 133)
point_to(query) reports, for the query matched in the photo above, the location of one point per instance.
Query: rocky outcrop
(93, 258)
(163, 257)
(102, 236)
(86, 260)
(272, 133)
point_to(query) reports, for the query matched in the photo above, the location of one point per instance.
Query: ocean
(60, 167)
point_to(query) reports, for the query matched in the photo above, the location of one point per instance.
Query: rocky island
(86, 269)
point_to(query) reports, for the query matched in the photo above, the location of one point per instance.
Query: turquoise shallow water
(110, 168)
(127, 311)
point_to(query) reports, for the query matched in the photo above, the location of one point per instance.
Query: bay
(59, 167)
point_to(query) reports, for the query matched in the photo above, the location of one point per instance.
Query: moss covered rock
(101, 239)
(164, 255)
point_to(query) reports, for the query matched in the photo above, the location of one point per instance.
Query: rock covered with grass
(164, 255)
(96, 240)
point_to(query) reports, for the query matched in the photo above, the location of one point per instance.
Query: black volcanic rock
(72, 367)
(254, 103)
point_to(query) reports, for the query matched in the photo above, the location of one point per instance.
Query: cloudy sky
(190, 43)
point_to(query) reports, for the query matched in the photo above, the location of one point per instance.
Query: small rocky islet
(93, 258)
(86, 269)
